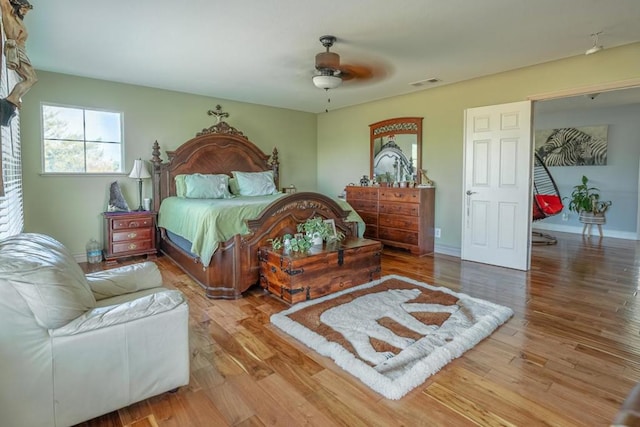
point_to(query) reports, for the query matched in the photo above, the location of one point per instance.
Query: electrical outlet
(437, 233)
(565, 216)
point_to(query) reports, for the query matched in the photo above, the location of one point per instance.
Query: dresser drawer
(399, 221)
(393, 208)
(132, 234)
(408, 195)
(133, 246)
(118, 223)
(366, 193)
(363, 205)
(369, 217)
(396, 235)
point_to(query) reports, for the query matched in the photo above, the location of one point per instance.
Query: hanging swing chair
(546, 200)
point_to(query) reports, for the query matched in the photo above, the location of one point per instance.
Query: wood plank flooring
(568, 357)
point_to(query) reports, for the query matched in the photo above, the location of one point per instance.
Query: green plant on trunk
(298, 243)
(587, 199)
(317, 226)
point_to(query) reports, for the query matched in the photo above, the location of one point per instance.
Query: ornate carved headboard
(218, 149)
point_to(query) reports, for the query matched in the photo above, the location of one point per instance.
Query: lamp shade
(327, 82)
(139, 170)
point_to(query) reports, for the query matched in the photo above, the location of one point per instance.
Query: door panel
(497, 185)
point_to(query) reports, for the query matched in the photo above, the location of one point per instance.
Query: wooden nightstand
(129, 234)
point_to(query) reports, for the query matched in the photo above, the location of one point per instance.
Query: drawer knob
(132, 235)
(134, 224)
(132, 246)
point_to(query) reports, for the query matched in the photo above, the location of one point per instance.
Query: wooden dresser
(128, 234)
(399, 217)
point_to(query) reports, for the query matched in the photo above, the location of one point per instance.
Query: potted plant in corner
(585, 201)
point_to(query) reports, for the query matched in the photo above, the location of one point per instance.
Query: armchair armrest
(102, 317)
(124, 280)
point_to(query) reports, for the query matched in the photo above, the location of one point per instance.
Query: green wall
(343, 135)
(69, 207)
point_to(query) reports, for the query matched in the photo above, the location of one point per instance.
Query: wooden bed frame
(234, 266)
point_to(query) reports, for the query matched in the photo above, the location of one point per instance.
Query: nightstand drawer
(134, 246)
(129, 234)
(132, 234)
(132, 223)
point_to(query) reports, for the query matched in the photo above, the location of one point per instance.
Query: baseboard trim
(627, 235)
(447, 250)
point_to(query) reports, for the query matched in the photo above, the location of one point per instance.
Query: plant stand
(589, 219)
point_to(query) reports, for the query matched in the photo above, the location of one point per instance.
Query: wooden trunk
(325, 270)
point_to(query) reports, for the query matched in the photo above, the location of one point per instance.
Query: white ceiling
(262, 51)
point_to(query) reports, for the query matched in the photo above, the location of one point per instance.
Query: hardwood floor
(568, 357)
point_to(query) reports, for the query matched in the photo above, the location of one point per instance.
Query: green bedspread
(208, 222)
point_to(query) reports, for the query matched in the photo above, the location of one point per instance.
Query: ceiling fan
(330, 73)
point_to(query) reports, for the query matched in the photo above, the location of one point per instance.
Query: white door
(497, 194)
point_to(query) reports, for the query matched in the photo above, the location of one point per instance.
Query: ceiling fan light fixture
(327, 81)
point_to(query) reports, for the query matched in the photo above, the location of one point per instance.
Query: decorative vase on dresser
(399, 217)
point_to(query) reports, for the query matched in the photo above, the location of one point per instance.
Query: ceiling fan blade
(352, 71)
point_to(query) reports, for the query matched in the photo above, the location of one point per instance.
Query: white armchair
(73, 347)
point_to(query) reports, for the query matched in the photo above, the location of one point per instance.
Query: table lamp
(139, 172)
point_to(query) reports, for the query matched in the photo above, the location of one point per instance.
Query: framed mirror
(396, 148)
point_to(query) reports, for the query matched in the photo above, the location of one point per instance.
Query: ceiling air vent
(419, 83)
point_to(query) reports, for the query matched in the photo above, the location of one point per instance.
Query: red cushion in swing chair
(549, 203)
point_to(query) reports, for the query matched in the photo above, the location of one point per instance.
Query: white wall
(617, 180)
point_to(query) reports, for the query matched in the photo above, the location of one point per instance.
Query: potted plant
(318, 229)
(299, 243)
(585, 201)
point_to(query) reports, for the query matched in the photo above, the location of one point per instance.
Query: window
(81, 140)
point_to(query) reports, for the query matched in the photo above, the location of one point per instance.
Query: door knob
(469, 192)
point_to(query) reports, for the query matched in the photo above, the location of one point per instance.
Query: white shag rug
(392, 333)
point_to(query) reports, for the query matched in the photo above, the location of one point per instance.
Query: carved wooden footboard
(234, 266)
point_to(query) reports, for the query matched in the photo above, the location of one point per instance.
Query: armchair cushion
(102, 317)
(45, 274)
(124, 280)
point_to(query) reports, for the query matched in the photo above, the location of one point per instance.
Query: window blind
(11, 203)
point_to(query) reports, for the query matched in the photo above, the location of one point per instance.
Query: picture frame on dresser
(334, 232)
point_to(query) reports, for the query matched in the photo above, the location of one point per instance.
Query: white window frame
(84, 109)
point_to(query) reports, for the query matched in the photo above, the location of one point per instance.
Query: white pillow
(255, 183)
(201, 186)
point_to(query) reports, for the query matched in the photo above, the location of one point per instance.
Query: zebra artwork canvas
(577, 146)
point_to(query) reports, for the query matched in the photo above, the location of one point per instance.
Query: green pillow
(181, 187)
(201, 186)
(233, 186)
(255, 183)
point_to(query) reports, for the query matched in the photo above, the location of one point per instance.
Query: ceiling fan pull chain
(326, 110)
